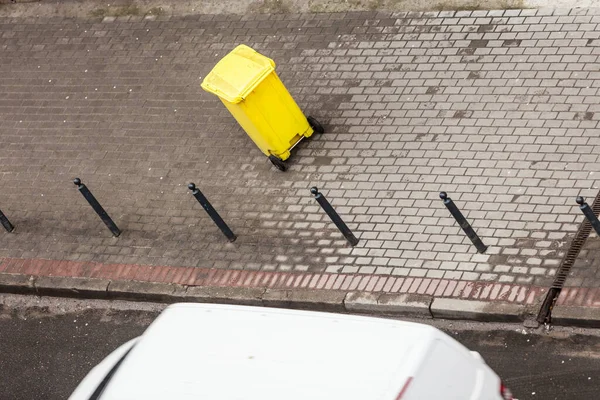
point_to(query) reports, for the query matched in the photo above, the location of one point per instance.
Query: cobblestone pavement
(498, 108)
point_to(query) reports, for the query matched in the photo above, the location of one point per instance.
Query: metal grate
(567, 263)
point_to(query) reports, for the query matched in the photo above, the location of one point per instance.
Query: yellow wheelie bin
(246, 82)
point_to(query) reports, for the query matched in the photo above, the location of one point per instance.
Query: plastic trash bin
(246, 82)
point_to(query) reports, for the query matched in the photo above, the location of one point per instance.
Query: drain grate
(545, 314)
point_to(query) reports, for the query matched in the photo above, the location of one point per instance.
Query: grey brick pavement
(499, 109)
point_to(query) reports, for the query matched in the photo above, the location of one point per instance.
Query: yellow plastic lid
(237, 74)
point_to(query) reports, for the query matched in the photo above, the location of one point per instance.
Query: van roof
(225, 352)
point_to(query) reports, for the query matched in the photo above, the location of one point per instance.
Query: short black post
(335, 217)
(6, 223)
(97, 207)
(462, 221)
(589, 213)
(212, 213)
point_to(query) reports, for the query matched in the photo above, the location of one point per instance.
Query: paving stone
(408, 112)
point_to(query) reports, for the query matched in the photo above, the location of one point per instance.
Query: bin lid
(237, 74)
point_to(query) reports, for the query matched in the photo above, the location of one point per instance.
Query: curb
(142, 291)
(404, 305)
(17, 284)
(323, 300)
(408, 305)
(224, 295)
(576, 316)
(71, 287)
(477, 310)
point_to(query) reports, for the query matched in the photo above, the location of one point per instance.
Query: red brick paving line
(577, 296)
(212, 277)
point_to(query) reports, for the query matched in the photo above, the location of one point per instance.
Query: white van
(226, 352)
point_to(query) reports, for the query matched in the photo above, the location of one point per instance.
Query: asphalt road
(48, 345)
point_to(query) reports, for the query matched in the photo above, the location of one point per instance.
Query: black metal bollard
(6, 223)
(97, 207)
(212, 213)
(335, 217)
(462, 221)
(589, 213)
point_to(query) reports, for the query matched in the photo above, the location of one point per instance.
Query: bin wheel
(316, 125)
(278, 163)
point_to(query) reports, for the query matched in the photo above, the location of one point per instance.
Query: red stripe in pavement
(406, 285)
(589, 298)
(15, 266)
(495, 291)
(278, 280)
(569, 299)
(297, 280)
(313, 282)
(399, 282)
(106, 271)
(142, 274)
(504, 292)
(162, 274)
(128, 272)
(155, 274)
(345, 285)
(450, 288)
(322, 281)
(330, 281)
(432, 287)
(193, 278)
(305, 281)
(423, 286)
(223, 279)
(34, 267)
(85, 268)
(380, 283)
(68, 268)
(184, 276)
(439, 291)
(415, 285)
(233, 279)
(354, 282)
(596, 299)
(289, 282)
(241, 278)
(522, 294)
(362, 284)
(267, 276)
(292, 279)
(580, 296)
(271, 281)
(337, 284)
(458, 290)
(530, 297)
(485, 293)
(466, 292)
(389, 284)
(562, 297)
(248, 278)
(514, 290)
(207, 279)
(477, 288)
(256, 279)
(168, 277)
(119, 270)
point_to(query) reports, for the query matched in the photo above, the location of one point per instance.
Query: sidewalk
(496, 108)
